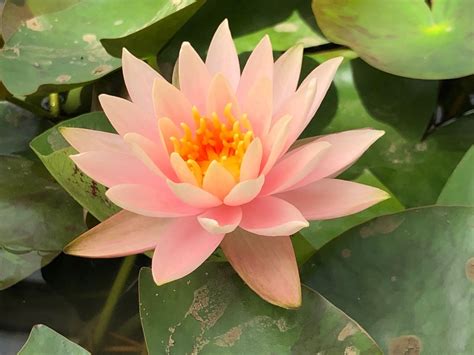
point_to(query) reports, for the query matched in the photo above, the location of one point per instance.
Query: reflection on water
(67, 296)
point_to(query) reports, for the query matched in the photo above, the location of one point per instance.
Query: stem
(54, 104)
(114, 295)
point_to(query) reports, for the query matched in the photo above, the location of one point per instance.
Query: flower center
(213, 139)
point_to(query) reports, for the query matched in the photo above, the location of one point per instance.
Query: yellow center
(213, 139)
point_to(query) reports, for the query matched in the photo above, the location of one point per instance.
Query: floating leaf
(44, 340)
(407, 38)
(38, 219)
(213, 312)
(63, 48)
(407, 278)
(54, 152)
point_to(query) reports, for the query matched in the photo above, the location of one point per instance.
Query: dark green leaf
(406, 278)
(213, 312)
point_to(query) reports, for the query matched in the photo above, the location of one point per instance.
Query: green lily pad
(44, 340)
(213, 312)
(287, 23)
(407, 38)
(17, 128)
(63, 48)
(459, 190)
(54, 152)
(414, 168)
(38, 218)
(406, 278)
(321, 232)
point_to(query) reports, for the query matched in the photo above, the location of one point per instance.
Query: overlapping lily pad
(54, 152)
(417, 38)
(63, 48)
(44, 340)
(213, 312)
(407, 278)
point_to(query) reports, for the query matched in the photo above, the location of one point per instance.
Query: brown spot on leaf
(351, 350)
(102, 69)
(349, 330)
(64, 78)
(384, 225)
(89, 38)
(405, 345)
(229, 338)
(346, 253)
(35, 25)
(94, 188)
(470, 269)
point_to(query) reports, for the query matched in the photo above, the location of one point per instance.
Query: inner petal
(221, 139)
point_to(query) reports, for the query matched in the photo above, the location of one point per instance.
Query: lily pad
(459, 190)
(407, 278)
(414, 168)
(287, 23)
(38, 218)
(44, 340)
(54, 152)
(63, 48)
(321, 232)
(213, 312)
(407, 38)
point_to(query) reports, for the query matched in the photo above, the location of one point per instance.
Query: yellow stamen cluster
(212, 139)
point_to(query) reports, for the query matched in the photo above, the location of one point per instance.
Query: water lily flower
(211, 161)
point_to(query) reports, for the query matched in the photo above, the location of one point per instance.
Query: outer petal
(222, 55)
(252, 160)
(259, 64)
(346, 148)
(332, 198)
(194, 78)
(139, 78)
(109, 168)
(218, 180)
(220, 94)
(293, 167)
(274, 143)
(182, 170)
(150, 201)
(127, 117)
(267, 265)
(272, 216)
(86, 140)
(257, 104)
(193, 195)
(286, 74)
(222, 219)
(124, 233)
(244, 191)
(181, 249)
(170, 102)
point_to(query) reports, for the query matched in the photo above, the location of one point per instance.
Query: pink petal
(259, 64)
(250, 166)
(293, 167)
(182, 170)
(193, 195)
(274, 143)
(244, 191)
(332, 198)
(167, 129)
(86, 140)
(286, 74)
(127, 117)
(257, 104)
(181, 249)
(194, 76)
(346, 148)
(272, 216)
(218, 180)
(267, 265)
(122, 234)
(154, 156)
(157, 201)
(220, 94)
(139, 78)
(222, 55)
(222, 219)
(170, 102)
(110, 168)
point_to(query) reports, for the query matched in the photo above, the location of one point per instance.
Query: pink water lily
(211, 161)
